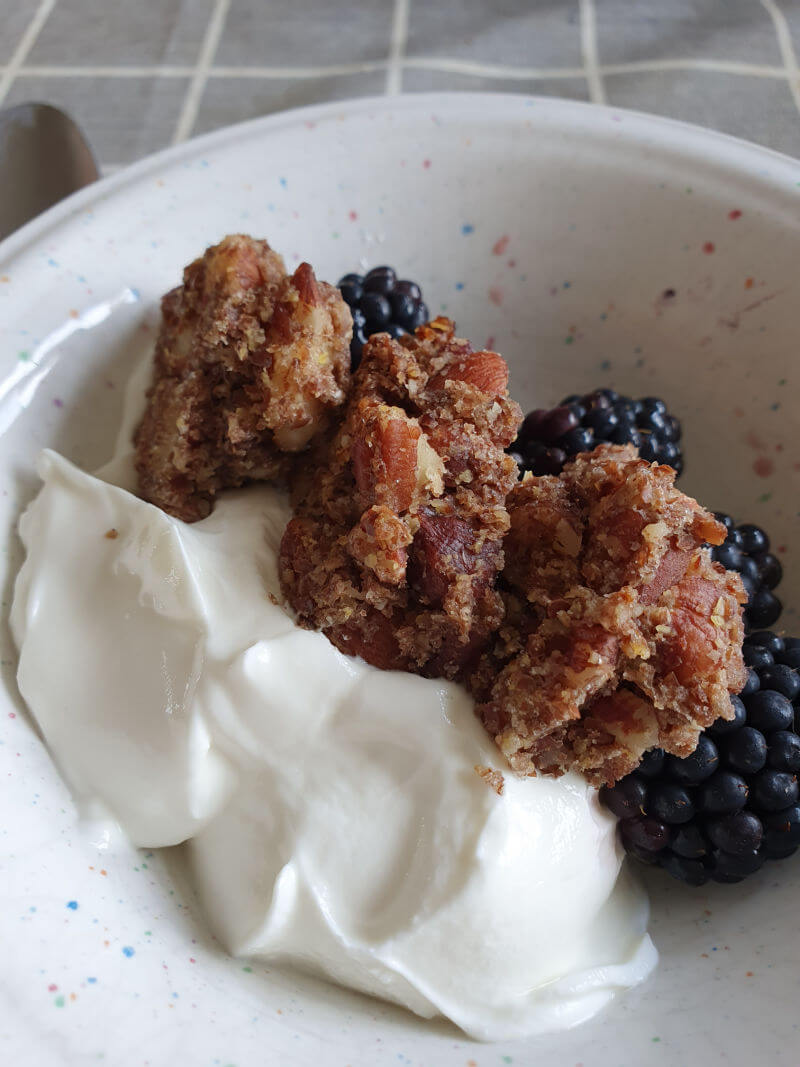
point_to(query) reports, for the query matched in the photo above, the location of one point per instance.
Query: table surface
(138, 76)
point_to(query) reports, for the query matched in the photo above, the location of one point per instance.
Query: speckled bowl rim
(695, 142)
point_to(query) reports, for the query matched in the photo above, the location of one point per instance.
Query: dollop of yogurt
(338, 817)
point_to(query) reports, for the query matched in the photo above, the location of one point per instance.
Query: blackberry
(781, 832)
(700, 765)
(719, 813)
(381, 302)
(746, 550)
(549, 437)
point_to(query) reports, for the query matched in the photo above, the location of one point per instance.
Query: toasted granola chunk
(620, 633)
(397, 537)
(249, 364)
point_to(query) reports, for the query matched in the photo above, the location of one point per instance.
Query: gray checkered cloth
(141, 75)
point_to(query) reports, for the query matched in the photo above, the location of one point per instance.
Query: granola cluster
(249, 364)
(399, 521)
(620, 633)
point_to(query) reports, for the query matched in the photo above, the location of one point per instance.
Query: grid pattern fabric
(140, 76)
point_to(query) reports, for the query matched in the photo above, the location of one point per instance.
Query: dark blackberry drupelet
(746, 550)
(549, 437)
(734, 802)
(381, 302)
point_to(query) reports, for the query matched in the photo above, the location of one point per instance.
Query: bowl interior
(591, 248)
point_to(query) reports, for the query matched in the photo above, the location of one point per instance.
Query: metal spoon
(43, 158)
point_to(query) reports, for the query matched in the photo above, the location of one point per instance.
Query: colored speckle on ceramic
(763, 467)
(708, 247)
(128, 951)
(59, 1002)
(467, 228)
(352, 215)
(72, 905)
(735, 214)
(500, 245)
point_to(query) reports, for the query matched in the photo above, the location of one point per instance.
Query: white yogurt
(334, 813)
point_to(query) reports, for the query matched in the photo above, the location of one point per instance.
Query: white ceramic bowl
(552, 230)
